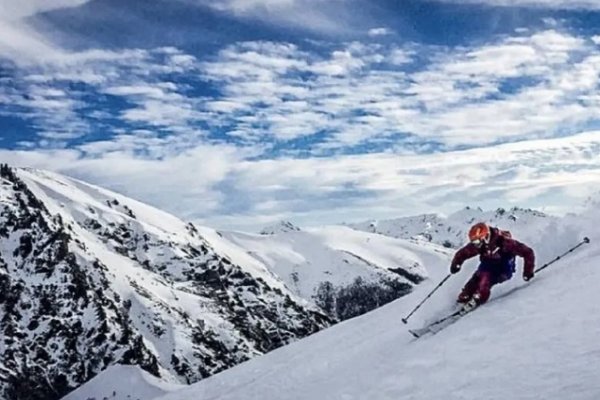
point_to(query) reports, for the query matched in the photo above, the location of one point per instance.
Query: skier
(497, 251)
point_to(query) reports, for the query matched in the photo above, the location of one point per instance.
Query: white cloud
(379, 32)
(17, 10)
(324, 16)
(161, 113)
(157, 104)
(187, 176)
(471, 96)
(399, 56)
(24, 45)
(288, 107)
(44, 93)
(220, 186)
(21, 43)
(555, 4)
(149, 91)
(356, 94)
(534, 85)
(242, 6)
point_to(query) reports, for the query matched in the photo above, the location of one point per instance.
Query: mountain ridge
(450, 231)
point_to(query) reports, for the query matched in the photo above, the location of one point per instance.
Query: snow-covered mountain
(89, 278)
(344, 271)
(535, 340)
(451, 231)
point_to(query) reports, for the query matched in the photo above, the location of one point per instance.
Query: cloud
(332, 17)
(370, 93)
(369, 129)
(297, 93)
(221, 186)
(64, 98)
(17, 10)
(379, 32)
(554, 4)
(24, 45)
(20, 42)
(354, 97)
(187, 175)
(388, 184)
(158, 105)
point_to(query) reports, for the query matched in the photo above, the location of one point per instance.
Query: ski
(441, 323)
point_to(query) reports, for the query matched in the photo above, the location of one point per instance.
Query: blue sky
(237, 113)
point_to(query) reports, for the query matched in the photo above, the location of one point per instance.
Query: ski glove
(454, 268)
(527, 275)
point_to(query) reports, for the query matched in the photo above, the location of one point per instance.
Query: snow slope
(132, 382)
(304, 259)
(536, 340)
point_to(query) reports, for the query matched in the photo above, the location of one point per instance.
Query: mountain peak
(280, 227)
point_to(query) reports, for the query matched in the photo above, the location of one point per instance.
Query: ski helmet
(479, 234)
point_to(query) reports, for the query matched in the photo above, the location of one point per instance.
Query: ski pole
(584, 241)
(405, 320)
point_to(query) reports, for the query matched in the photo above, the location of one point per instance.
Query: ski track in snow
(536, 340)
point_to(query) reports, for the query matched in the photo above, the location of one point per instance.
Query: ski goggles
(478, 242)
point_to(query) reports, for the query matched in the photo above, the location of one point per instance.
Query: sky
(239, 113)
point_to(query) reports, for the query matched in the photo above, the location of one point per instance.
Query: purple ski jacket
(500, 247)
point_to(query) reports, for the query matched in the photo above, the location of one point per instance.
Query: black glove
(527, 275)
(454, 268)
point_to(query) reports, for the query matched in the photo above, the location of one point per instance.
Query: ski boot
(471, 304)
(464, 297)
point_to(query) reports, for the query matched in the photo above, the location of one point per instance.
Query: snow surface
(123, 382)
(536, 340)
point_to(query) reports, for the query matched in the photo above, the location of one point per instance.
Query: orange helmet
(479, 234)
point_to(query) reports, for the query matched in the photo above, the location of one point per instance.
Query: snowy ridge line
(449, 231)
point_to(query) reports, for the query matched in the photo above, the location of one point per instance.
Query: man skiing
(497, 251)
